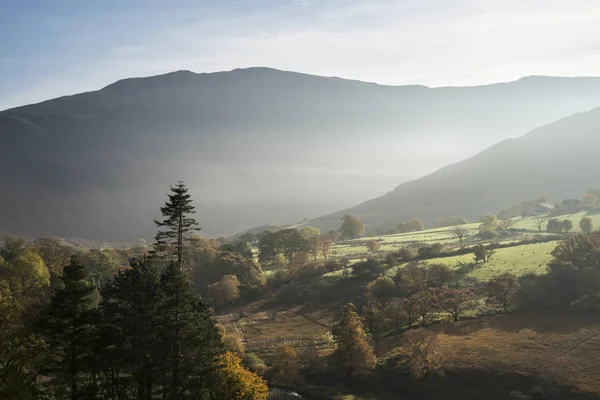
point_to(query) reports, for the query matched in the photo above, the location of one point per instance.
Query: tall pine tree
(177, 223)
(68, 324)
(353, 354)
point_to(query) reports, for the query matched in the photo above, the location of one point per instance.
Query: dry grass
(564, 347)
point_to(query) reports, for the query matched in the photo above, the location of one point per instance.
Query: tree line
(138, 332)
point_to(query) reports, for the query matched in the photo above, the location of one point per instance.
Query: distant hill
(256, 146)
(559, 161)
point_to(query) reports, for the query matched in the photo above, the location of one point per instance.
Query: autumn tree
(373, 245)
(394, 312)
(420, 348)
(325, 244)
(426, 305)
(353, 353)
(351, 228)
(373, 319)
(234, 382)
(586, 225)
(382, 288)
(285, 370)
(225, 291)
(240, 247)
(501, 291)
(454, 301)
(178, 224)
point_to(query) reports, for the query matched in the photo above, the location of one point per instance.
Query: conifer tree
(177, 223)
(190, 338)
(127, 345)
(69, 324)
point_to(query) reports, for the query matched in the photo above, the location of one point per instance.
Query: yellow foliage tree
(234, 382)
(286, 367)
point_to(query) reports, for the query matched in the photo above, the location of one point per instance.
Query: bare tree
(539, 220)
(459, 232)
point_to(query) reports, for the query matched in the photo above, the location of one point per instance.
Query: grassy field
(516, 260)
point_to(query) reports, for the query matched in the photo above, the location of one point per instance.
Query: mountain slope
(256, 146)
(558, 160)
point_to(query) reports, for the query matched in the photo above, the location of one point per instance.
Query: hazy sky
(51, 48)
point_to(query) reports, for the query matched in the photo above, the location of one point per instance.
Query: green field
(516, 260)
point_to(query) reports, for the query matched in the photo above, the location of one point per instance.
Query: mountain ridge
(256, 146)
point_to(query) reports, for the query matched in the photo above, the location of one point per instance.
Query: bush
(488, 234)
(382, 288)
(403, 255)
(234, 344)
(333, 265)
(430, 251)
(370, 267)
(255, 364)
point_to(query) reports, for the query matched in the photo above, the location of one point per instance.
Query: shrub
(488, 234)
(382, 288)
(233, 344)
(586, 225)
(370, 267)
(255, 364)
(430, 251)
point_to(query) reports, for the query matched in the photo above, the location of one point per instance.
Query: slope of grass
(516, 260)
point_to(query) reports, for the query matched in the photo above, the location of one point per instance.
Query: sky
(59, 47)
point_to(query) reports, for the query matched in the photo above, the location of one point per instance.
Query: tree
(420, 349)
(190, 339)
(539, 220)
(567, 226)
(382, 288)
(589, 199)
(225, 291)
(373, 319)
(501, 291)
(401, 227)
(239, 247)
(482, 253)
(129, 349)
(285, 370)
(351, 228)
(177, 223)
(425, 303)
(586, 225)
(415, 225)
(373, 245)
(234, 382)
(325, 244)
(353, 353)
(394, 311)
(55, 253)
(291, 243)
(333, 235)
(454, 301)
(488, 222)
(554, 226)
(459, 232)
(69, 324)
(269, 247)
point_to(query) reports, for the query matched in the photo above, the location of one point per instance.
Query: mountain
(256, 146)
(559, 160)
